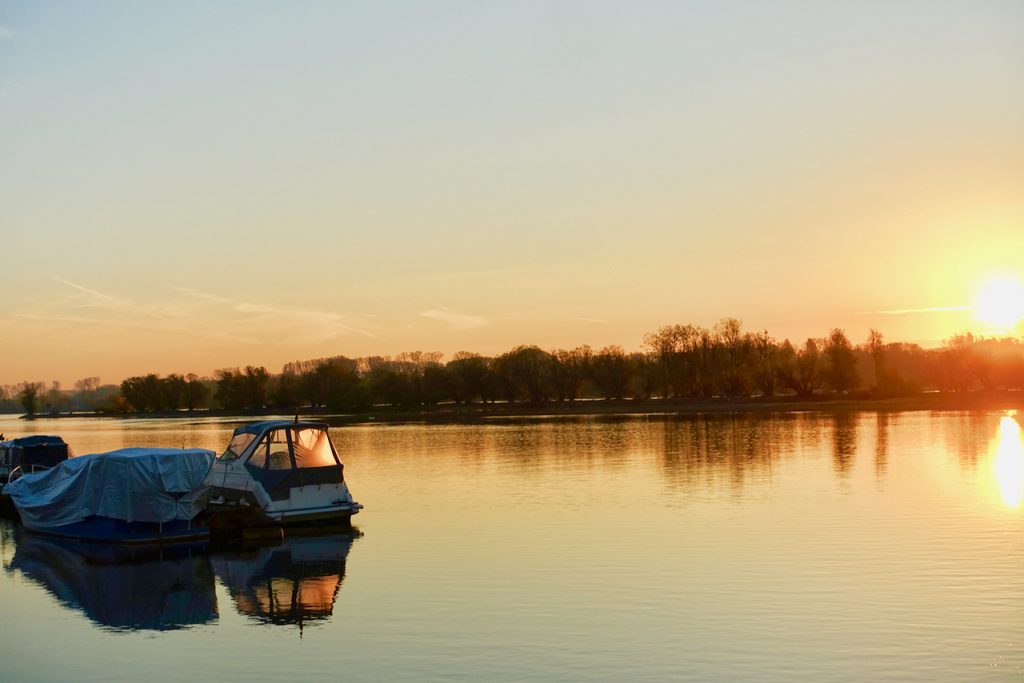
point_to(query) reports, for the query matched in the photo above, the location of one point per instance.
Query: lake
(810, 546)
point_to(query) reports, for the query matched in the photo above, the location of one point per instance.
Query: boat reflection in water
(119, 588)
(295, 582)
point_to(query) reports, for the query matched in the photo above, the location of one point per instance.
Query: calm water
(852, 547)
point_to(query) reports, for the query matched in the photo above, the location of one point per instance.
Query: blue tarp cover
(133, 484)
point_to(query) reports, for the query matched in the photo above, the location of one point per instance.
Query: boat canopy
(42, 450)
(132, 484)
(258, 428)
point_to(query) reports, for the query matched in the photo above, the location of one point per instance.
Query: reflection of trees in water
(969, 436)
(527, 445)
(883, 421)
(692, 449)
(844, 442)
(704, 450)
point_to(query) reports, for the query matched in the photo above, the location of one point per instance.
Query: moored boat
(132, 495)
(26, 455)
(278, 472)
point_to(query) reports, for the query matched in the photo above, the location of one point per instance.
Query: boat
(131, 495)
(278, 473)
(30, 454)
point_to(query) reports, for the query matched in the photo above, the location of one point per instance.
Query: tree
(706, 355)
(954, 362)
(28, 395)
(766, 360)
(230, 393)
(673, 348)
(644, 379)
(841, 362)
(85, 393)
(568, 369)
(468, 375)
(527, 368)
(612, 372)
(173, 391)
(800, 370)
(736, 350)
(195, 392)
(55, 400)
(254, 383)
(875, 346)
(336, 379)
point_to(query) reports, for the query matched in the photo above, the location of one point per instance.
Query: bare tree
(841, 362)
(876, 347)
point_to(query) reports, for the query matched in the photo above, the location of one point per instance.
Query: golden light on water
(1008, 466)
(1000, 303)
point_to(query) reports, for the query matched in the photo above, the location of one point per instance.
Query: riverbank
(972, 401)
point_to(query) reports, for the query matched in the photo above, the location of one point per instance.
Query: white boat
(278, 472)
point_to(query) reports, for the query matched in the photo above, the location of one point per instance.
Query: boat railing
(19, 471)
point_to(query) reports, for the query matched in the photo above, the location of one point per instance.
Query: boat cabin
(30, 454)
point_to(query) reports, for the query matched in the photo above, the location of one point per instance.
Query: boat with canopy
(278, 472)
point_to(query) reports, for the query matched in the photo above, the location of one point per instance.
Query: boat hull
(110, 530)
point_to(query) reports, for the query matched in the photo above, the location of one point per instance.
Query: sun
(1000, 303)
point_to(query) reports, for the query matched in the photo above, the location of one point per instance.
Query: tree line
(676, 362)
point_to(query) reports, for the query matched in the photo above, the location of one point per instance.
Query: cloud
(196, 314)
(6, 31)
(454, 320)
(96, 299)
(204, 296)
(93, 292)
(918, 311)
(294, 324)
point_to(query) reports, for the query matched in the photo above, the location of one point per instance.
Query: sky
(194, 185)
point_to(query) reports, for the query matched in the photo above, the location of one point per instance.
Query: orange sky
(186, 188)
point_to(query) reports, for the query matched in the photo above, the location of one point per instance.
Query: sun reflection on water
(1008, 466)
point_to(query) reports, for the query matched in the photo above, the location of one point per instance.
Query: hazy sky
(186, 186)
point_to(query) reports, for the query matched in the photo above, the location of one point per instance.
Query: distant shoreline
(452, 413)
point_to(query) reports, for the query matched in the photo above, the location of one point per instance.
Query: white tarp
(133, 484)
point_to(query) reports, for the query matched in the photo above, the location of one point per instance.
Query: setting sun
(1000, 303)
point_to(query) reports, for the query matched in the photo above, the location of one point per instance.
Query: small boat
(277, 473)
(30, 454)
(132, 495)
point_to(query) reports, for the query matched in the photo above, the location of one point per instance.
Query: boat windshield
(313, 448)
(239, 442)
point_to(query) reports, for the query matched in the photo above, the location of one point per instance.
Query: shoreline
(452, 413)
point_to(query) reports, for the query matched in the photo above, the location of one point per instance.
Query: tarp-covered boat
(132, 495)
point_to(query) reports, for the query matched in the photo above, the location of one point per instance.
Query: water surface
(767, 547)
